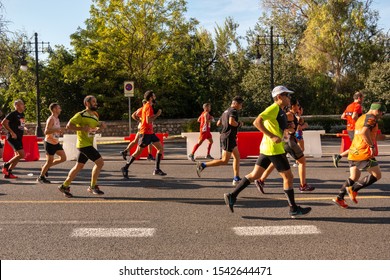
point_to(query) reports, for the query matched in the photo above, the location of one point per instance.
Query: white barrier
(201, 152)
(69, 144)
(312, 140)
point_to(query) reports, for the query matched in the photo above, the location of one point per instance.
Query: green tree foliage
(377, 85)
(126, 40)
(337, 40)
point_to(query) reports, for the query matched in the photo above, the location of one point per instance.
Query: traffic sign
(129, 88)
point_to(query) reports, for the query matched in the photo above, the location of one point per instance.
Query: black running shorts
(88, 153)
(279, 161)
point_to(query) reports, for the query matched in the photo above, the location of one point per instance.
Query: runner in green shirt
(272, 122)
(86, 123)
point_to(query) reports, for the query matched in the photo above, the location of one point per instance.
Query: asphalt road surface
(181, 216)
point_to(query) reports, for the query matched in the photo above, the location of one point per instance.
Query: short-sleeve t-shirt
(275, 121)
(83, 118)
(359, 149)
(17, 123)
(147, 111)
(354, 107)
(229, 131)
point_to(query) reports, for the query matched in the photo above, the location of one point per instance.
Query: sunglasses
(286, 95)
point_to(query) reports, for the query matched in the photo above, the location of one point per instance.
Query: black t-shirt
(16, 123)
(227, 129)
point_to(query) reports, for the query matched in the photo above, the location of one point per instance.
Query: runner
(137, 117)
(230, 125)
(291, 147)
(86, 123)
(147, 136)
(205, 120)
(51, 143)
(361, 155)
(272, 122)
(14, 123)
(351, 114)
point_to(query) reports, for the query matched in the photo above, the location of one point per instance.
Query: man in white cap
(272, 122)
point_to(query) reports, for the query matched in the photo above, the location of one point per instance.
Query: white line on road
(70, 222)
(276, 230)
(113, 232)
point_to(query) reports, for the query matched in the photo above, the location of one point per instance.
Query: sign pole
(129, 115)
(128, 89)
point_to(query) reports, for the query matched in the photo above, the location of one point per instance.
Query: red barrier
(346, 142)
(30, 147)
(144, 153)
(248, 143)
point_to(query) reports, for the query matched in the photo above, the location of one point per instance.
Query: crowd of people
(281, 124)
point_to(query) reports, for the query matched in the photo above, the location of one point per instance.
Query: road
(184, 217)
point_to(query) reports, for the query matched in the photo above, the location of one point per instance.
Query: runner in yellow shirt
(86, 123)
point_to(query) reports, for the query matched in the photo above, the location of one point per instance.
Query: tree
(338, 39)
(377, 86)
(125, 40)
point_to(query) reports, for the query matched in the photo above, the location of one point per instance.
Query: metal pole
(272, 58)
(38, 129)
(129, 116)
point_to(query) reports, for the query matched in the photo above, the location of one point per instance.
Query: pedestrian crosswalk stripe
(113, 232)
(276, 230)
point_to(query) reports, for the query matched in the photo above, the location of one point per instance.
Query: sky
(56, 20)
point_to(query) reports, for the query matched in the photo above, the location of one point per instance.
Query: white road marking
(113, 232)
(276, 230)
(102, 183)
(71, 222)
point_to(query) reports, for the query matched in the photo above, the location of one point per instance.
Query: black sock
(241, 186)
(129, 162)
(365, 182)
(349, 182)
(6, 165)
(291, 199)
(158, 159)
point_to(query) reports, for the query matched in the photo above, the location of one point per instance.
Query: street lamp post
(37, 49)
(271, 44)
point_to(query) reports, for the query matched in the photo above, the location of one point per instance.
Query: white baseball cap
(279, 90)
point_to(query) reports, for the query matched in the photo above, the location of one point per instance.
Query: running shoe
(336, 160)
(191, 157)
(4, 170)
(300, 211)
(43, 180)
(229, 201)
(124, 154)
(340, 202)
(352, 195)
(306, 188)
(199, 168)
(95, 190)
(208, 157)
(125, 172)
(159, 172)
(65, 191)
(150, 158)
(260, 185)
(236, 181)
(10, 176)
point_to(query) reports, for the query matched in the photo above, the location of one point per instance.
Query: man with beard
(147, 136)
(86, 123)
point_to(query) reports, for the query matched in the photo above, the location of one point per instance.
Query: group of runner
(282, 133)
